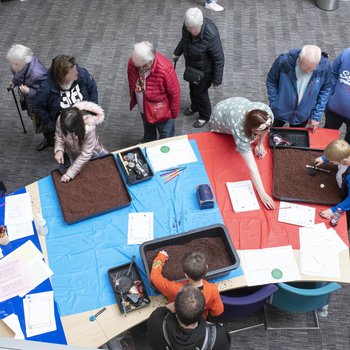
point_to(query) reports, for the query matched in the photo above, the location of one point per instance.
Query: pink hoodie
(70, 144)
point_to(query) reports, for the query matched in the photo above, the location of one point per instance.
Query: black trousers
(278, 123)
(335, 121)
(199, 95)
(50, 137)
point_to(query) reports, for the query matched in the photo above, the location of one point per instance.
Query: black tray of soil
(213, 241)
(135, 166)
(137, 297)
(292, 181)
(298, 137)
(97, 189)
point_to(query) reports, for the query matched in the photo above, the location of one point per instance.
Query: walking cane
(19, 112)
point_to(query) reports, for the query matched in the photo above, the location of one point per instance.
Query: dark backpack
(209, 339)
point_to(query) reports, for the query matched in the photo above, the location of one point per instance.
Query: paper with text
(140, 228)
(242, 196)
(20, 230)
(18, 208)
(296, 214)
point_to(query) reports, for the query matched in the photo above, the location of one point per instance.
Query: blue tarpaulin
(80, 254)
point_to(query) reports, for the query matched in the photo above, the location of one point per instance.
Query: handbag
(193, 76)
(156, 112)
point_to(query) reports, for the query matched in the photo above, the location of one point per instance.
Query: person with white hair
(155, 89)
(213, 5)
(204, 59)
(298, 86)
(28, 73)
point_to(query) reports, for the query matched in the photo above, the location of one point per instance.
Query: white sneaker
(214, 6)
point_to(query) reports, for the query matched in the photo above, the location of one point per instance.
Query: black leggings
(335, 121)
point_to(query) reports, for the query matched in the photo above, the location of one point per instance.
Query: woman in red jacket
(154, 87)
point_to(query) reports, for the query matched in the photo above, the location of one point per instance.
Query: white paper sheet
(37, 271)
(39, 313)
(18, 208)
(319, 249)
(270, 265)
(295, 214)
(171, 154)
(14, 278)
(140, 228)
(20, 230)
(12, 322)
(242, 196)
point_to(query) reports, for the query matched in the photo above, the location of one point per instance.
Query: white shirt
(302, 81)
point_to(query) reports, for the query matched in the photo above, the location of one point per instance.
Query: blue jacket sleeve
(40, 104)
(335, 72)
(345, 204)
(323, 96)
(91, 86)
(273, 81)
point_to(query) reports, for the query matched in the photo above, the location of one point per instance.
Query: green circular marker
(277, 274)
(165, 149)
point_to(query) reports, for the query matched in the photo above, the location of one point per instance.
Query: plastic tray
(209, 231)
(299, 137)
(131, 177)
(93, 195)
(115, 273)
(308, 178)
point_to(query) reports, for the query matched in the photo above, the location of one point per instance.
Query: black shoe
(199, 123)
(42, 145)
(188, 111)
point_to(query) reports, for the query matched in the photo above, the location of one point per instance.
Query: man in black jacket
(204, 59)
(186, 329)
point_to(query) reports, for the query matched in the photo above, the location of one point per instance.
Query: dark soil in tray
(293, 182)
(213, 248)
(97, 189)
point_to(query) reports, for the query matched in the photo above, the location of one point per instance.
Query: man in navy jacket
(298, 86)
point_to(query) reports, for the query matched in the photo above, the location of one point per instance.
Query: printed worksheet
(269, 265)
(18, 208)
(296, 214)
(242, 196)
(140, 228)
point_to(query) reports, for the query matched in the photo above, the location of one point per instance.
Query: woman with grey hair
(28, 73)
(204, 59)
(155, 89)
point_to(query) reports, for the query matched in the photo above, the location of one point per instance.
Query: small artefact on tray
(136, 297)
(293, 181)
(135, 166)
(97, 189)
(294, 137)
(213, 241)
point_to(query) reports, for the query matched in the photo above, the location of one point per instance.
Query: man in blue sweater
(338, 108)
(338, 152)
(298, 87)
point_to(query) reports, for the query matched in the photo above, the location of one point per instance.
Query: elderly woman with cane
(155, 89)
(28, 73)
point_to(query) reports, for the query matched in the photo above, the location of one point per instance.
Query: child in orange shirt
(195, 268)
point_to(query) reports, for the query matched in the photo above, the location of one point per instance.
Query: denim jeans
(165, 129)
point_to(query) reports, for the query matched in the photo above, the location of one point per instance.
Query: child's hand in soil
(318, 161)
(327, 214)
(164, 253)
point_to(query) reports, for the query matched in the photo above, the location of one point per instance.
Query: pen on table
(93, 317)
(282, 208)
(172, 169)
(1, 205)
(173, 176)
(171, 172)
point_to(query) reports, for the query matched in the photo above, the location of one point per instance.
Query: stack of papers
(320, 250)
(171, 154)
(22, 270)
(295, 214)
(140, 228)
(242, 196)
(270, 265)
(39, 313)
(18, 216)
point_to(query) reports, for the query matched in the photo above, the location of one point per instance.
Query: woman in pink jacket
(76, 135)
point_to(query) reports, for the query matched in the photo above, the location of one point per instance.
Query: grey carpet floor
(101, 33)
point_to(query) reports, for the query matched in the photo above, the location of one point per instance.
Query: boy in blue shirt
(338, 152)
